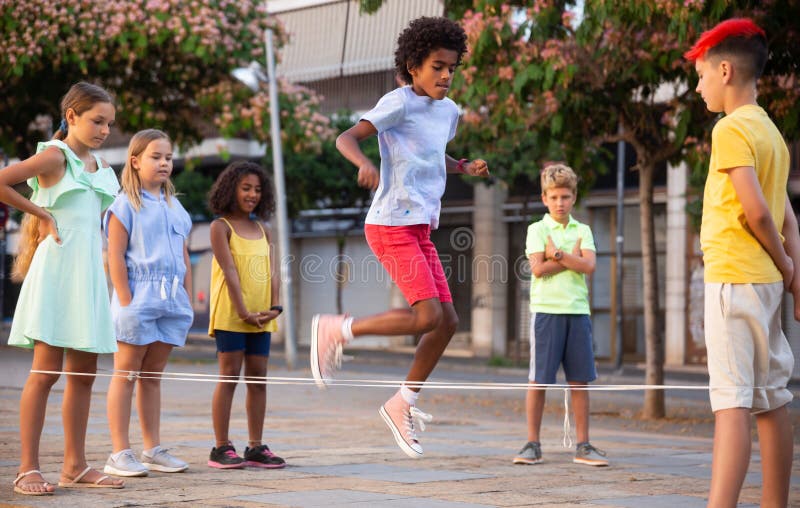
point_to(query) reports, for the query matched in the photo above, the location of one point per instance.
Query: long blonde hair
(131, 181)
(80, 98)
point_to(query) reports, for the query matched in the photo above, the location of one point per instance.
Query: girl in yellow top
(244, 296)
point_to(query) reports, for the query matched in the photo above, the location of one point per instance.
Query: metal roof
(331, 38)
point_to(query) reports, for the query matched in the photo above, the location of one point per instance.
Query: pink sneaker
(326, 346)
(399, 416)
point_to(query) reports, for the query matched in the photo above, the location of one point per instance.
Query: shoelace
(264, 449)
(231, 454)
(588, 448)
(421, 418)
(163, 451)
(335, 360)
(131, 457)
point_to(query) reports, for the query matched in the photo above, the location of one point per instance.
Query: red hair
(736, 27)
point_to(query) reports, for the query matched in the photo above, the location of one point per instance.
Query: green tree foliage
(193, 187)
(326, 179)
(167, 61)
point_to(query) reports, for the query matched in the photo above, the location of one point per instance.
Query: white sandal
(21, 490)
(76, 483)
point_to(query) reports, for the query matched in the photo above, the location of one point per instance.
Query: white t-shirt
(413, 132)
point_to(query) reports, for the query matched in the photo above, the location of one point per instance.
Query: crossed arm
(579, 260)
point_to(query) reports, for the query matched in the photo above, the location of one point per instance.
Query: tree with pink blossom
(168, 62)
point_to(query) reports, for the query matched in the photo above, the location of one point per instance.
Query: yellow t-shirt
(731, 253)
(251, 258)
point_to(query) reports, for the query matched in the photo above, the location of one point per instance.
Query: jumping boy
(561, 253)
(413, 123)
(747, 266)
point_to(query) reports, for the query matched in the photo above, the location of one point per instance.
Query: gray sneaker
(125, 465)
(587, 454)
(164, 462)
(531, 453)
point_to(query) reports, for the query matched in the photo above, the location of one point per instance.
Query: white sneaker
(125, 465)
(164, 462)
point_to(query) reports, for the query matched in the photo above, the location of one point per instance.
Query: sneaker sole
(315, 370)
(398, 437)
(529, 462)
(251, 463)
(121, 472)
(587, 462)
(217, 465)
(165, 469)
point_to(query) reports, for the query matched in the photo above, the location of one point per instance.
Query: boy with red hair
(748, 263)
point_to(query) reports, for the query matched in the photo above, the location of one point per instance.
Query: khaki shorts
(749, 358)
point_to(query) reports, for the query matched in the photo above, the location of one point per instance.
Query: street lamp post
(280, 204)
(250, 77)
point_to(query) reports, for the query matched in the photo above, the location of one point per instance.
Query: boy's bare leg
(776, 442)
(731, 456)
(534, 407)
(432, 345)
(580, 408)
(423, 317)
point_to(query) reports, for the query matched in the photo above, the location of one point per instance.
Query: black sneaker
(261, 456)
(225, 457)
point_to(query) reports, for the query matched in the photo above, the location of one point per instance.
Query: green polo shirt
(565, 292)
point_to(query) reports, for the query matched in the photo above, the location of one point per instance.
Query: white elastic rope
(175, 283)
(380, 383)
(163, 287)
(567, 441)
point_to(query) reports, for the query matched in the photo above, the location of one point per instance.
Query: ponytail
(28, 242)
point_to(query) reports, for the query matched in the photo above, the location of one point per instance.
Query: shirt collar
(151, 197)
(552, 224)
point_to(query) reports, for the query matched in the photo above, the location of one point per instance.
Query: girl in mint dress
(63, 312)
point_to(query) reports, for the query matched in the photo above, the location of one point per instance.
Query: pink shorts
(408, 254)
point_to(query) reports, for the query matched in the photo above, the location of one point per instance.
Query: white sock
(115, 456)
(152, 451)
(347, 329)
(409, 395)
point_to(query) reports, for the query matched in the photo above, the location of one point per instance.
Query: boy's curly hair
(222, 196)
(424, 35)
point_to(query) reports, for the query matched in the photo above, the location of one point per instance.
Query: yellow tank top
(251, 258)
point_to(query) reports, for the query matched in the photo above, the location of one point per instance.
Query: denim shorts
(251, 343)
(160, 311)
(561, 340)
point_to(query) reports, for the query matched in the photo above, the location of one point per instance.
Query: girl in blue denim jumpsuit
(148, 262)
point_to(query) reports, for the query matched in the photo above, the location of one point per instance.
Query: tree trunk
(341, 275)
(654, 345)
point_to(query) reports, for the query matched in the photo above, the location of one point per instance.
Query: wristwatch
(558, 254)
(278, 308)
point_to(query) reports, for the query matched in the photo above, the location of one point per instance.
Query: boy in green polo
(561, 253)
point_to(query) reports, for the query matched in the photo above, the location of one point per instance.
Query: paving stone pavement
(340, 454)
